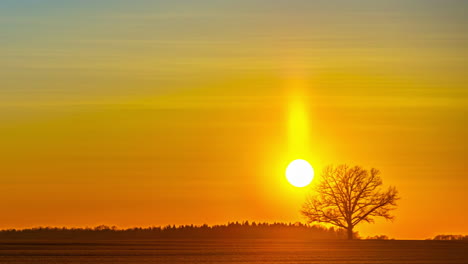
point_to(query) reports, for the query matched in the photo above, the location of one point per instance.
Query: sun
(299, 173)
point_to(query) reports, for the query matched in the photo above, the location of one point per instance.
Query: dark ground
(235, 251)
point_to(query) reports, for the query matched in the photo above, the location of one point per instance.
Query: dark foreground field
(236, 251)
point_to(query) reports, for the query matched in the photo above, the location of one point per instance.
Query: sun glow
(298, 127)
(299, 173)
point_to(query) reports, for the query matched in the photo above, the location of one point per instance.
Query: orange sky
(171, 113)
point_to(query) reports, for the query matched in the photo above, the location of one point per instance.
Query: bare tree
(347, 196)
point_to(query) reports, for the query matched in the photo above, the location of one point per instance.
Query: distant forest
(231, 230)
(451, 237)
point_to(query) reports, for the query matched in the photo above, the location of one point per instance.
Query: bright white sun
(299, 173)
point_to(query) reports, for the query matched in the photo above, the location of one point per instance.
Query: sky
(148, 113)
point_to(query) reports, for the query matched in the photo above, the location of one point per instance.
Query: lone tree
(347, 196)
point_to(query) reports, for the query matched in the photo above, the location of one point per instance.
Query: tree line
(230, 230)
(451, 237)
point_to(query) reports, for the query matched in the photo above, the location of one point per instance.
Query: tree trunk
(350, 233)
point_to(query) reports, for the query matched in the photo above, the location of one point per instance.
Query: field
(235, 251)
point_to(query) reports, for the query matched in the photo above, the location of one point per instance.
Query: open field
(235, 251)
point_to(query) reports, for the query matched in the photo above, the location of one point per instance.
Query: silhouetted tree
(347, 196)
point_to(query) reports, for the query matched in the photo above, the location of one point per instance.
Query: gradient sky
(139, 113)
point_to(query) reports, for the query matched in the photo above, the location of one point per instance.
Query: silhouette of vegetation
(347, 196)
(450, 237)
(231, 230)
(379, 237)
